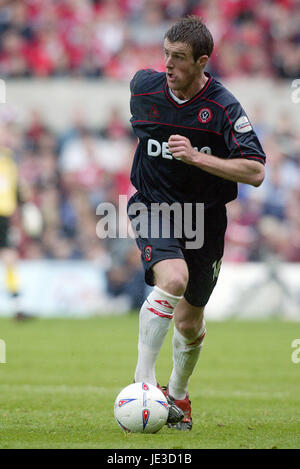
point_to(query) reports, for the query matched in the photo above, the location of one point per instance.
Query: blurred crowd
(68, 174)
(113, 38)
(264, 223)
(63, 178)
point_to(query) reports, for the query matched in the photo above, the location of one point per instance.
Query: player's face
(183, 73)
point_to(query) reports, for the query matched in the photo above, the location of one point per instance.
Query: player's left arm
(236, 169)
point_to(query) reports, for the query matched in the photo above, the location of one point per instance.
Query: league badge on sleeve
(242, 125)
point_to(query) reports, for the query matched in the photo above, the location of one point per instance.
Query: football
(141, 408)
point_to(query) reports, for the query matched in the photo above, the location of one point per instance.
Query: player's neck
(192, 90)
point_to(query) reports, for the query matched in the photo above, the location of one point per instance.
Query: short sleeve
(240, 138)
(140, 78)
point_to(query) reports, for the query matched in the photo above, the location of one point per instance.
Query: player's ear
(202, 60)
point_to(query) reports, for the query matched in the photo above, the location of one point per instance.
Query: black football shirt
(213, 120)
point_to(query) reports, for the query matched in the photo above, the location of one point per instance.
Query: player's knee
(175, 283)
(190, 327)
(172, 276)
(187, 330)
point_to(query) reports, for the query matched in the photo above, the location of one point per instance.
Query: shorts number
(216, 268)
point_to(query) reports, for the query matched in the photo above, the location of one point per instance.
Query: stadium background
(66, 65)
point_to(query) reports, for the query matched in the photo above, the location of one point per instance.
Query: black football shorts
(203, 263)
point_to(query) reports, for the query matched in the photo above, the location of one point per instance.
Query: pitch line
(63, 389)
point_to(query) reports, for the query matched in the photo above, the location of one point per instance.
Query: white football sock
(155, 320)
(185, 356)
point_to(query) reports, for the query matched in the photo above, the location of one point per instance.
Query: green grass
(61, 378)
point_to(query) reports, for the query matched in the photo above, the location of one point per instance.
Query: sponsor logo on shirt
(155, 148)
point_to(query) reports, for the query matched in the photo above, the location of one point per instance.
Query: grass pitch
(61, 378)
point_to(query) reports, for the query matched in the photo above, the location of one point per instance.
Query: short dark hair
(192, 30)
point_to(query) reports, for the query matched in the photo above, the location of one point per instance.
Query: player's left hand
(181, 149)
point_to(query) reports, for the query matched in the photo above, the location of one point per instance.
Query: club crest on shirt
(205, 115)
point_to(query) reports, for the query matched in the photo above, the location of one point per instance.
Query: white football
(141, 408)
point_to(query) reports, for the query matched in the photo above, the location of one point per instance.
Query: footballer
(195, 144)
